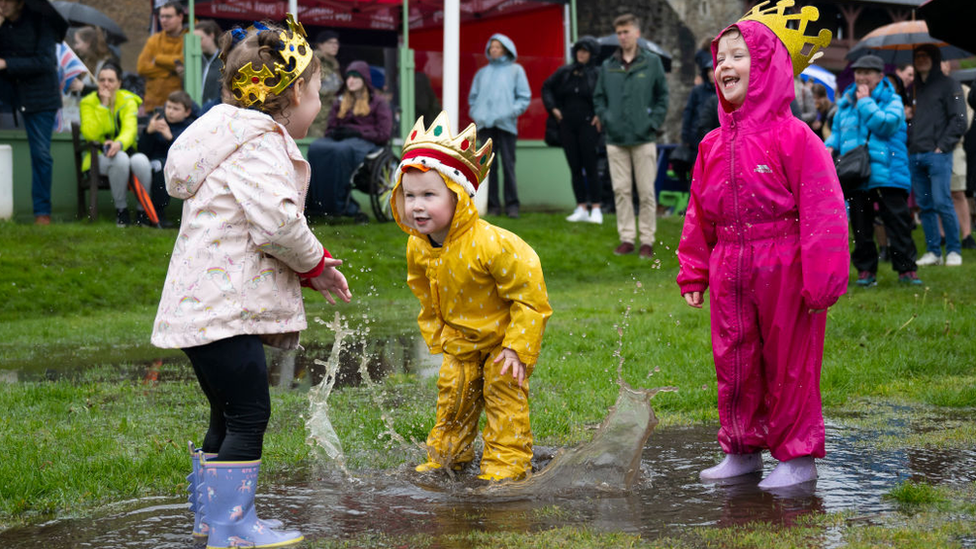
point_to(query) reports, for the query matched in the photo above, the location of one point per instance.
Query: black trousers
(503, 145)
(578, 138)
(897, 220)
(234, 375)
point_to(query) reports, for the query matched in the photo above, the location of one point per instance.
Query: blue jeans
(39, 126)
(931, 173)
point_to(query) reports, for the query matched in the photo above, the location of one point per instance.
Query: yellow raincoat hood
(482, 288)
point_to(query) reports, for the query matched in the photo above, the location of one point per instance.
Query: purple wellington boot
(196, 490)
(228, 503)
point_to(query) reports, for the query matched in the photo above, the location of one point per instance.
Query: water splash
(321, 434)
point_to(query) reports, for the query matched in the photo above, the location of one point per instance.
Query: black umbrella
(80, 15)
(952, 21)
(50, 15)
(610, 43)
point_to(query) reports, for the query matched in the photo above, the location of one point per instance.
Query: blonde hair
(260, 49)
(357, 101)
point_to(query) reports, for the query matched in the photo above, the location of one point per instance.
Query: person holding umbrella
(938, 124)
(29, 86)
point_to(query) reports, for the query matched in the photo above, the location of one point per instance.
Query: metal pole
(293, 8)
(452, 41)
(408, 100)
(573, 21)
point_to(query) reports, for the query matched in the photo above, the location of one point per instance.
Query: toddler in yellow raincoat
(483, 297)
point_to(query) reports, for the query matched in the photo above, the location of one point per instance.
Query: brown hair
(97, 47)
(818, 90)
(181, 97)
(260, 49)
(357, 101)
(626, 19)
(210, 27)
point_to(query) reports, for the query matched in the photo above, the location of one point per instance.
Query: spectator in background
(166, 124)
(71, 74)
(568, 95)
(208, 30)
(360, 121)
(870, 111)
(110, 116)
(804, 101)
(161, 60)
(969, 145)
(499, 95)
(29, 88)
(957, 183)
(683, 158)
(937, 125)
(902, 79)
(825, 111)
(631, 100)
(91, 47)
(326, 49)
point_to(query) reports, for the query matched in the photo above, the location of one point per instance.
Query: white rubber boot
(734, 465)
(790, 473)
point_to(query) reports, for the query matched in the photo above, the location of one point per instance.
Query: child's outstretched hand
(331, 281)
(694, 299)
(512, 360)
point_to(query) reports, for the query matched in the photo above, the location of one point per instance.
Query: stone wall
(678, 26)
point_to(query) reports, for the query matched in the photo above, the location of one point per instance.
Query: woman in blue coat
(870, 111)
(499, 94)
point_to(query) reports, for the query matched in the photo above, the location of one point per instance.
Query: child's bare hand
(694, 299)
(512, 361)
(331, 281)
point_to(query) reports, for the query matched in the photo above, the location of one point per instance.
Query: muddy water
(668, 498)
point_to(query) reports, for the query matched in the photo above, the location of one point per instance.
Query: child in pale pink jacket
(766, 231)
(243, 252)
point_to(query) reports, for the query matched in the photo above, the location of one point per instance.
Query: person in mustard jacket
(110, 116)
(483, 300)
(161, 59)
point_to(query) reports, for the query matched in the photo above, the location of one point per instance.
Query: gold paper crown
(250, 86)
(803, 49)
(457, 152)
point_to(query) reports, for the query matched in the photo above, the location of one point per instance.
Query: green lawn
(86, 294)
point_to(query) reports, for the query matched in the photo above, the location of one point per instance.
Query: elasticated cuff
(693, 287)
(318, 268)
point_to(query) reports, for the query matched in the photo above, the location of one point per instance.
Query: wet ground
(669, 498)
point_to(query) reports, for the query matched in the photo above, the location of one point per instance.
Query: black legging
(578, 138)
(897, 219)
(234, 375)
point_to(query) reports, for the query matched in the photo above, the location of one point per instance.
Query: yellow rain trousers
(481, 291)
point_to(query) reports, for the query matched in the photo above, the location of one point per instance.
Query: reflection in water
(668, 498)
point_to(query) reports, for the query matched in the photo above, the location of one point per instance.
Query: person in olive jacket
(631, 100)
(29, 85)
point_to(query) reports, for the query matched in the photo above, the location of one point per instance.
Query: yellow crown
(457, 152)
(250, 86)
(803, 49)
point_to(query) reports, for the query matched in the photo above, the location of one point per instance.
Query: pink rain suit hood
(766, 235)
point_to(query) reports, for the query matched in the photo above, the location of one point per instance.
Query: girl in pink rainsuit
(766, 231)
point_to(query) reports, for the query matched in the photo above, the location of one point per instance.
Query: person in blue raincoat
(870, 111)
(499, 94)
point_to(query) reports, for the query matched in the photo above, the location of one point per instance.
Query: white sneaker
(930, 259)
(953, 259)
(579, 214)
(596, 216)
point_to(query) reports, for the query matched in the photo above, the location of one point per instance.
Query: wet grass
(87, 294)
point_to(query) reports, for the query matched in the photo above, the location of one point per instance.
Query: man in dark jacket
(631, 100)
(938, 123)
(29, 87)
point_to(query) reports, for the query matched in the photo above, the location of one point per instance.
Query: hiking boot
(46, 220)
(596, 216)
(624, 248)
(494, 211)
(929, 258)
(646, 251)
(866, 279)
(579, 214)
(969, 243)
(122, 218)
(512, 212)
(142, 219)
(953, 259)
(909, 278)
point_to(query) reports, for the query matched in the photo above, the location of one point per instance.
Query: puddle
(666, 499)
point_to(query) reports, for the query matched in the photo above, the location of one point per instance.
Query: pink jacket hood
(770, 80)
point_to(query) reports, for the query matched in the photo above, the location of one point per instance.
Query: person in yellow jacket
(483, 300)
(110, 116)
(161, 59)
